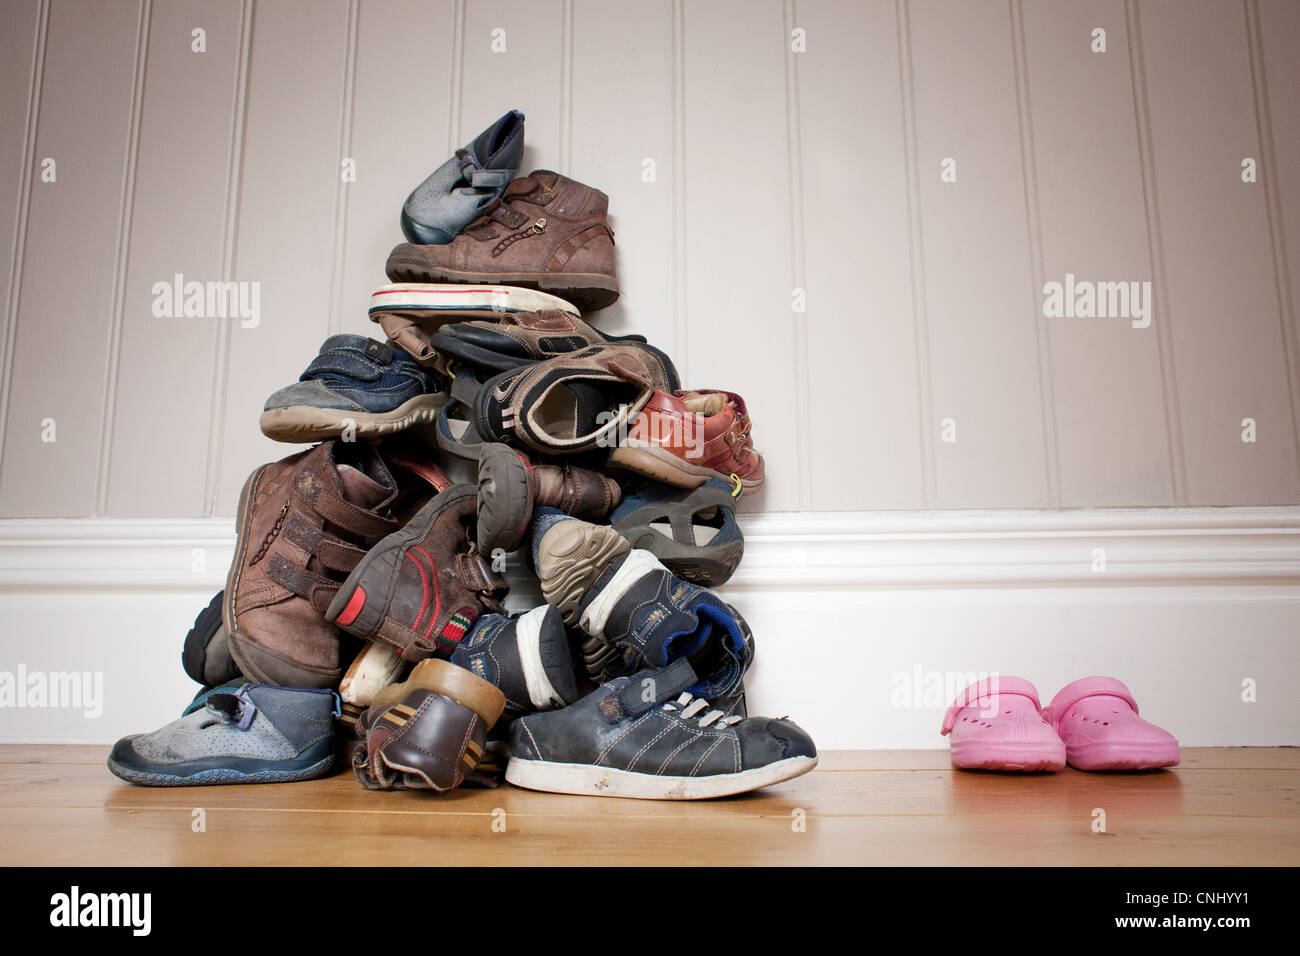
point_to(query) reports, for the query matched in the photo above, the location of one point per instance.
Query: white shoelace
(689, 705)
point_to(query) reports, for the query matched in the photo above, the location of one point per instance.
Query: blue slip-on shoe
(354, 387)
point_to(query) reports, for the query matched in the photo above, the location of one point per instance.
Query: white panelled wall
(845, 210)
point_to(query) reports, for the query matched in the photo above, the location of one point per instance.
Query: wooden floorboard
(60, 806)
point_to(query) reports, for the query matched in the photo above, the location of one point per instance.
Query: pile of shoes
(364, 611)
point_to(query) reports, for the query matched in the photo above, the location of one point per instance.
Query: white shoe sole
(587, 780)
(443, 296)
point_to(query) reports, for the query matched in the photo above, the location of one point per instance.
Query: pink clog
(996, 724)
(1098, 719)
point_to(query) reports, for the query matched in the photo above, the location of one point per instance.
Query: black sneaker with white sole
(647, 736)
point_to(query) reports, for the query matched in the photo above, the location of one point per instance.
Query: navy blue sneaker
(526, 657)
(649, 736)
(693, 531)
(634, 612)
(354, 387)
(253, 733)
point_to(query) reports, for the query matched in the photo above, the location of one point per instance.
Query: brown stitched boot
(303, 524)
(510, 487)
(420, 589)
(547, 232)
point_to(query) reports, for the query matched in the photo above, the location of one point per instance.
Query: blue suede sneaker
(355, 386)
(253, 733)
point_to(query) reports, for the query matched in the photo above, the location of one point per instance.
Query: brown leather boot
(547, 232)
(510, 487)
(420, 589)
(303, 524)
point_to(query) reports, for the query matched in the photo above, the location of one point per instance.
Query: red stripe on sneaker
(355, 604)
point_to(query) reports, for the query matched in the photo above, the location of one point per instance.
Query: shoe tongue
(360, 489)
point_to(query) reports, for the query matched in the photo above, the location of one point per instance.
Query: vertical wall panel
(71, 257)
(527, 76)
(860, 326)
(285, 238)
(738, 263)
(622, 115)
(1279, 46)
(1223, 304)
(400, 112)
(19, 50)
(983, 340)
(177, 226)
(1112, 439)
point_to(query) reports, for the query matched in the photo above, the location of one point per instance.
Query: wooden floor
(60, 806)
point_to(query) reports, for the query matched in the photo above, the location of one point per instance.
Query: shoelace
(690, 705)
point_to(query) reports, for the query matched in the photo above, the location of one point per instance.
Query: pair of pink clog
(1091, 724)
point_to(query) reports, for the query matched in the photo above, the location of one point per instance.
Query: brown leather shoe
(421, 588)
(507, 340)
(428, 732)
(510, 487)
(686, 438)
(547, 232)
(303, 524)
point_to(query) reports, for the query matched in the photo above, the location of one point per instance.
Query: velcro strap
(306, 584)
(648, 688)
(347, 363)
(477, 573)
(489, 178)
(344, 514)
(338, 555)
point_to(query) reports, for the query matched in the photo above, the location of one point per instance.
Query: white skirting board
(866, 623)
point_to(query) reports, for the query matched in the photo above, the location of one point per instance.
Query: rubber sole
(588, 780)
(662, 465)
(1010, 756)
(221, 775)
(705, 565)
(1100, 757)
(570, 557)
(589, 291)
(505, 502)
(301, 424)
(450, 297)
(376, 667)
(461, 685)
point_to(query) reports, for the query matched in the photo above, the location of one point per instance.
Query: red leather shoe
(685, 438)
